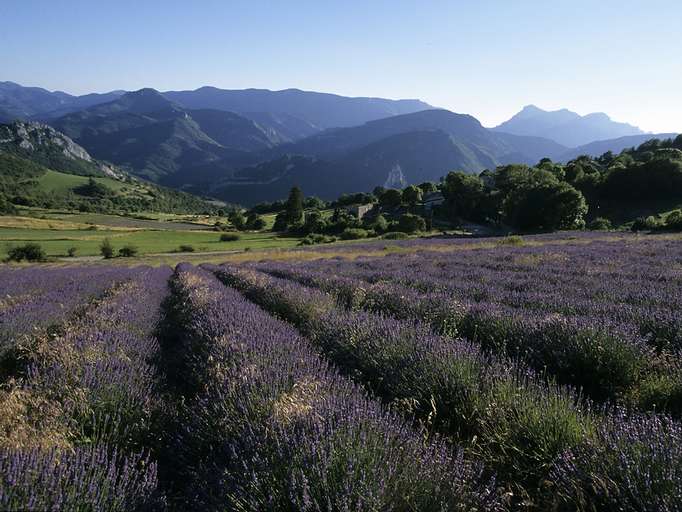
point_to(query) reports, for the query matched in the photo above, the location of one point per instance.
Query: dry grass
(31, 420)
(298, 403)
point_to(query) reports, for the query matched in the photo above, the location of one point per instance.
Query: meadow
(58, 231)
(519, 373)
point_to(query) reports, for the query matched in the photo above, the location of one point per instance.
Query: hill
(19, 102)
(42, 167)
(155, 138)
(566, 127)
(600, 147)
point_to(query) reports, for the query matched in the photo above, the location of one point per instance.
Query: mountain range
(566, 127)
(252, 145)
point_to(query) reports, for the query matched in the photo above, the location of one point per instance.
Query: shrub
(127, 251)
(600, 224)
(645, 224)
(380, 224)
(511, 240)
(674, 220)
(395, 235)
(229, 237)
(28, 252)
(71, 251)
(315, 238)
(106, 249)
(634, 464)
(186, 248)
(410, 223)
(354, 234)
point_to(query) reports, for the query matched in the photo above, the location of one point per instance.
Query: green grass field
(61, 183)
(87, 242)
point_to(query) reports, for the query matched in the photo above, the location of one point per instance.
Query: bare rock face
(30, 135)
(395, 178)
(33, 137)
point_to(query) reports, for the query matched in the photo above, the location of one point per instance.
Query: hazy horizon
(487, 60)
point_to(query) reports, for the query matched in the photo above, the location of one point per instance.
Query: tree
(237, 219)
(106, 249)
(380, 224)
(391, 198)
(93, 189)
(315, 202)
(412, 195)
(255, 221)
(546, 206)
(677, 143)
(6, 208)
(427, 187)
(314, 223)
(410, 223)
(294, 207)
(29, 252)
(281, 222)
(464, 194)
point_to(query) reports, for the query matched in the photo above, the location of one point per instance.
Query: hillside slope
(42, 167)
(600, 147)
(396, 151)
(155, 138)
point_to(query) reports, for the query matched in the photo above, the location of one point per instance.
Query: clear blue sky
(487, 58)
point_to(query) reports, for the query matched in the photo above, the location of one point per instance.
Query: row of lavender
(77, 407)
(547, 445)
(599, 317)
(267, 425)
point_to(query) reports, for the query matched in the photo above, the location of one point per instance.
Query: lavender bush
(274, 428)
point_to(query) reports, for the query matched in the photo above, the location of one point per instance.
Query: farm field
(87, 241)
(501, 374)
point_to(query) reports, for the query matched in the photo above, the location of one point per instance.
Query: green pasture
(87, 242)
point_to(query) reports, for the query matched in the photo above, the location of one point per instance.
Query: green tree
(294, 207)
(379, 224)
(237, 219)
(545, 206)
(412, 195)
(427, 187)
(410, 223)
(314, 223)
(106, 249)
(464, 195)
(255, 221)
(391, 198)
(281, 222)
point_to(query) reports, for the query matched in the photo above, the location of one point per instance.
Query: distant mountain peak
(531, 109)
(145, 100)
(565, 127)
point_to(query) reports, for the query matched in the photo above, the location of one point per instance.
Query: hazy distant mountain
(318, 109)
(19, 102)
(462, 128)
(566, 127)
(5, 117)
(600, 147)
(285, 126)
(156, 138)
(399, 150)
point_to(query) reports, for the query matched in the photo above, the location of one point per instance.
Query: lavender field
(542, 373)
